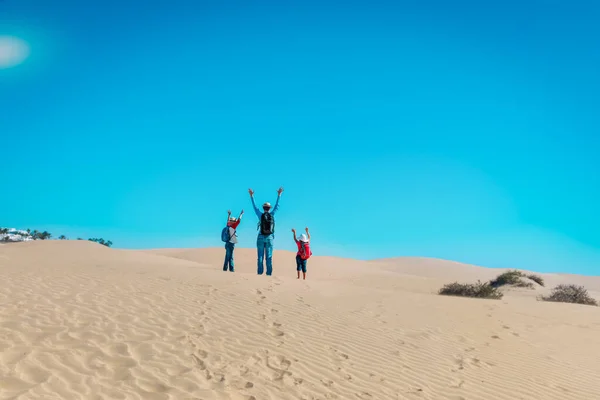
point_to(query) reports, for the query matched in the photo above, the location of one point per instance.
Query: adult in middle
(266, 232)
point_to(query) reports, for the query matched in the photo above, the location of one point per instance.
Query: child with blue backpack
(229, 236)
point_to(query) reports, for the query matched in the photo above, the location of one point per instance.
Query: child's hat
(303, 238)
(267, 204)
(232, 219)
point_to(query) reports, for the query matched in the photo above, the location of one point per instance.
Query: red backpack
(305, 252)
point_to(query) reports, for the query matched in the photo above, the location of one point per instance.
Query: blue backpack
(225, 237)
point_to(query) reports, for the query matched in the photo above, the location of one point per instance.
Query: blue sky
(461, 130)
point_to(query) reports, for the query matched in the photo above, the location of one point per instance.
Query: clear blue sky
(463, 130)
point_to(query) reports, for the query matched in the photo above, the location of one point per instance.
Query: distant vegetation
(106, 243)
(28, 235)
(570, 294)
(490, 290)
(482, 290)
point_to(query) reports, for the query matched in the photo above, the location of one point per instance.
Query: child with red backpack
(304, 252)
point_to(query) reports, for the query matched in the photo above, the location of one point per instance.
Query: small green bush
(478, 290)
(570, 294)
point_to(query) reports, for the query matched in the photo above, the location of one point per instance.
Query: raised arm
(308, 234)
(256, 210)
(279, 191)
(228, 215)
(294, 233)
(237, 221)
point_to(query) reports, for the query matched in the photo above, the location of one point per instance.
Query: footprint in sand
(468, 362)
(457, 384)
(279, 362)
(279, 365)
(327, 382)
(199, 363)
(244, 370)
(276, 332)
(341, 356)
(201, 353)
(375, 378)
(261, 298)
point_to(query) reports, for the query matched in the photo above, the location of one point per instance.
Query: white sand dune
(81, 321)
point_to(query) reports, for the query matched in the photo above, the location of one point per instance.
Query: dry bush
(478, 290)
(571, 294)
(537, 279)
(512, 278)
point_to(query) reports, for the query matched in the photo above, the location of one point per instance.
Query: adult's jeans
(264, 246)
(228, 256)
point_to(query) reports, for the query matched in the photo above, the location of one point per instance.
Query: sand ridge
(81, 321)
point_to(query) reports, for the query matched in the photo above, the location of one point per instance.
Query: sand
(82, 321)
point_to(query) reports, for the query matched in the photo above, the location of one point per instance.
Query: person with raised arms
(304, 252)
(229, 236)
(266, 232)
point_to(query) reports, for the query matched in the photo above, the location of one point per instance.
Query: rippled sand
(81, 321)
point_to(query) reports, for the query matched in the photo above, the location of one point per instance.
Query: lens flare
(13, 51)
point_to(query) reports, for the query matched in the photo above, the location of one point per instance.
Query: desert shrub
(537, 279)
(512, 278)
(479, 290)
(570, 294)
(507, 278)
(524, 284)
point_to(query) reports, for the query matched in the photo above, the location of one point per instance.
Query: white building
(15, 235)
